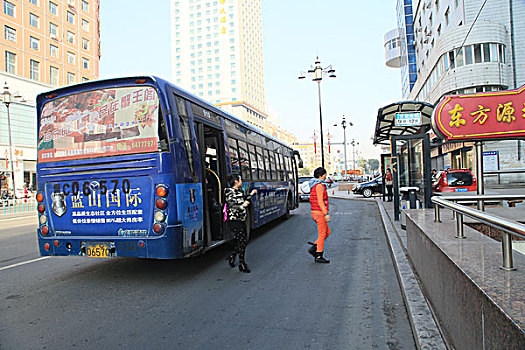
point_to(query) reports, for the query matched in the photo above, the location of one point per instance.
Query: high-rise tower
(217, 54)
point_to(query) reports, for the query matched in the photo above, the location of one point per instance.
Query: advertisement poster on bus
(99, 123)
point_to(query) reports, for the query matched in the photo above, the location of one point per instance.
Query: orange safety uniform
(319, 205)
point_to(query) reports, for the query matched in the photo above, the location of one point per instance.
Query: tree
(371, 166)
(304, 172)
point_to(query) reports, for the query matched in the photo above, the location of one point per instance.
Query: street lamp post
(7, 101)
(354, 143)
(344, 124)
(317, 71)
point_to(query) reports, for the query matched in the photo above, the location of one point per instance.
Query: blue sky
(347, 34)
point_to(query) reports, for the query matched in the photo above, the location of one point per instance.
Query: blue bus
(136, 167)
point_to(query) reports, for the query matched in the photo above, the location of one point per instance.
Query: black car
(367, 189)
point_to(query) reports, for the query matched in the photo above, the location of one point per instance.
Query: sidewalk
(425, 328)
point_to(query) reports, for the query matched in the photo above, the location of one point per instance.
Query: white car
(304, 188)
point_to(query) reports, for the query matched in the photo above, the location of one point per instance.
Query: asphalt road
(287, 302)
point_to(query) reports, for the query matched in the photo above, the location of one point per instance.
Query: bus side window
(289, 168)
(186, 134)
(244, 161)
(253, 163)
(279, 166)
(267, 165)
(234, 155)
(260, 163)
(273, 165)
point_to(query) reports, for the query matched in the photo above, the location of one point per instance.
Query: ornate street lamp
(7, 101)
(344, 124)
(317, 71)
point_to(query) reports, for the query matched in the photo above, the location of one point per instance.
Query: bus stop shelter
(404, 126)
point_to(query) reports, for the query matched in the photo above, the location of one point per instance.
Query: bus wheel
(287, 214)
(248, 224)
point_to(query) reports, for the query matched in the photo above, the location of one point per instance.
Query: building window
(10, 62)
(468, 54)
(33, 20)
(70, 57)
(53, 50)
(85, 63)
(477, 53)
(70, 37)
(34, 69)
(70, 17)
(85, 25)
(10, 33)
(9, 8)
(34, 43)
(447, 15)
(53, 30)
(85, 44)
(85, 6)
(486, 53)
(70, 78)
(53, 76)
(34, 2)
(53, 8)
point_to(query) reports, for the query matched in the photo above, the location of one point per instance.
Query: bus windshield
(97, 123)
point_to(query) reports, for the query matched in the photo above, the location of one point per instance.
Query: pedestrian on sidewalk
(320, 213)
(236, 204)
(389, 183)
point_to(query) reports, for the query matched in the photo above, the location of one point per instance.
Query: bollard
(506, 246)
(459, 226)
(437, 215)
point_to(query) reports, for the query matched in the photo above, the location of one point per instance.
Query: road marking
(24, 262)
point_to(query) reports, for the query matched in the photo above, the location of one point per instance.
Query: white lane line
(24, 262)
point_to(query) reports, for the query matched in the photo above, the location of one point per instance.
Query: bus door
(211, 147)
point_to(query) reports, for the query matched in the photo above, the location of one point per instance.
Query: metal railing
(507, 227)
(19, 205)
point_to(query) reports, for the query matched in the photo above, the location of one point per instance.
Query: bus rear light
(158, 228)
(43, 219)
(57, 243)
(162, 191)
(47, 246)
(161, 203)
(51, 95)
(141, 244)
(45, 230)
(39, 197)
(140, 81)
(159, 216)
(41, 208)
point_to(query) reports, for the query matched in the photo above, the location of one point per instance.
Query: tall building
(217, 54)
(464, 46)
(54, 42)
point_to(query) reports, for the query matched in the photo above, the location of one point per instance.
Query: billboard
(482, 116)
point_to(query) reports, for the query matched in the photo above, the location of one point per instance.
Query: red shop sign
(488, 115)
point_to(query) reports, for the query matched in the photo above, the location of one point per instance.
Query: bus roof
(84, 86)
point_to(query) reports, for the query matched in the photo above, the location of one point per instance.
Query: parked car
(367, 189)
(304, 188)
(329, 181)
(454, 180)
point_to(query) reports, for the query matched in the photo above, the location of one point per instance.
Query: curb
(425, 329)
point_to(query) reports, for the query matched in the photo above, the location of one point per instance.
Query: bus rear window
(106, 122)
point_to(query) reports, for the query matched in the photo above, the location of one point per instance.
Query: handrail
(507, 226)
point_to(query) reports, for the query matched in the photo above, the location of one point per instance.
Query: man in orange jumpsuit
(320, 213)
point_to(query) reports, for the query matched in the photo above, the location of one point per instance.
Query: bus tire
(249, 216)
(287, 213)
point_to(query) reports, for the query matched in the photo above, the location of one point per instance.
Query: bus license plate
(461, 189)
(98, 250)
